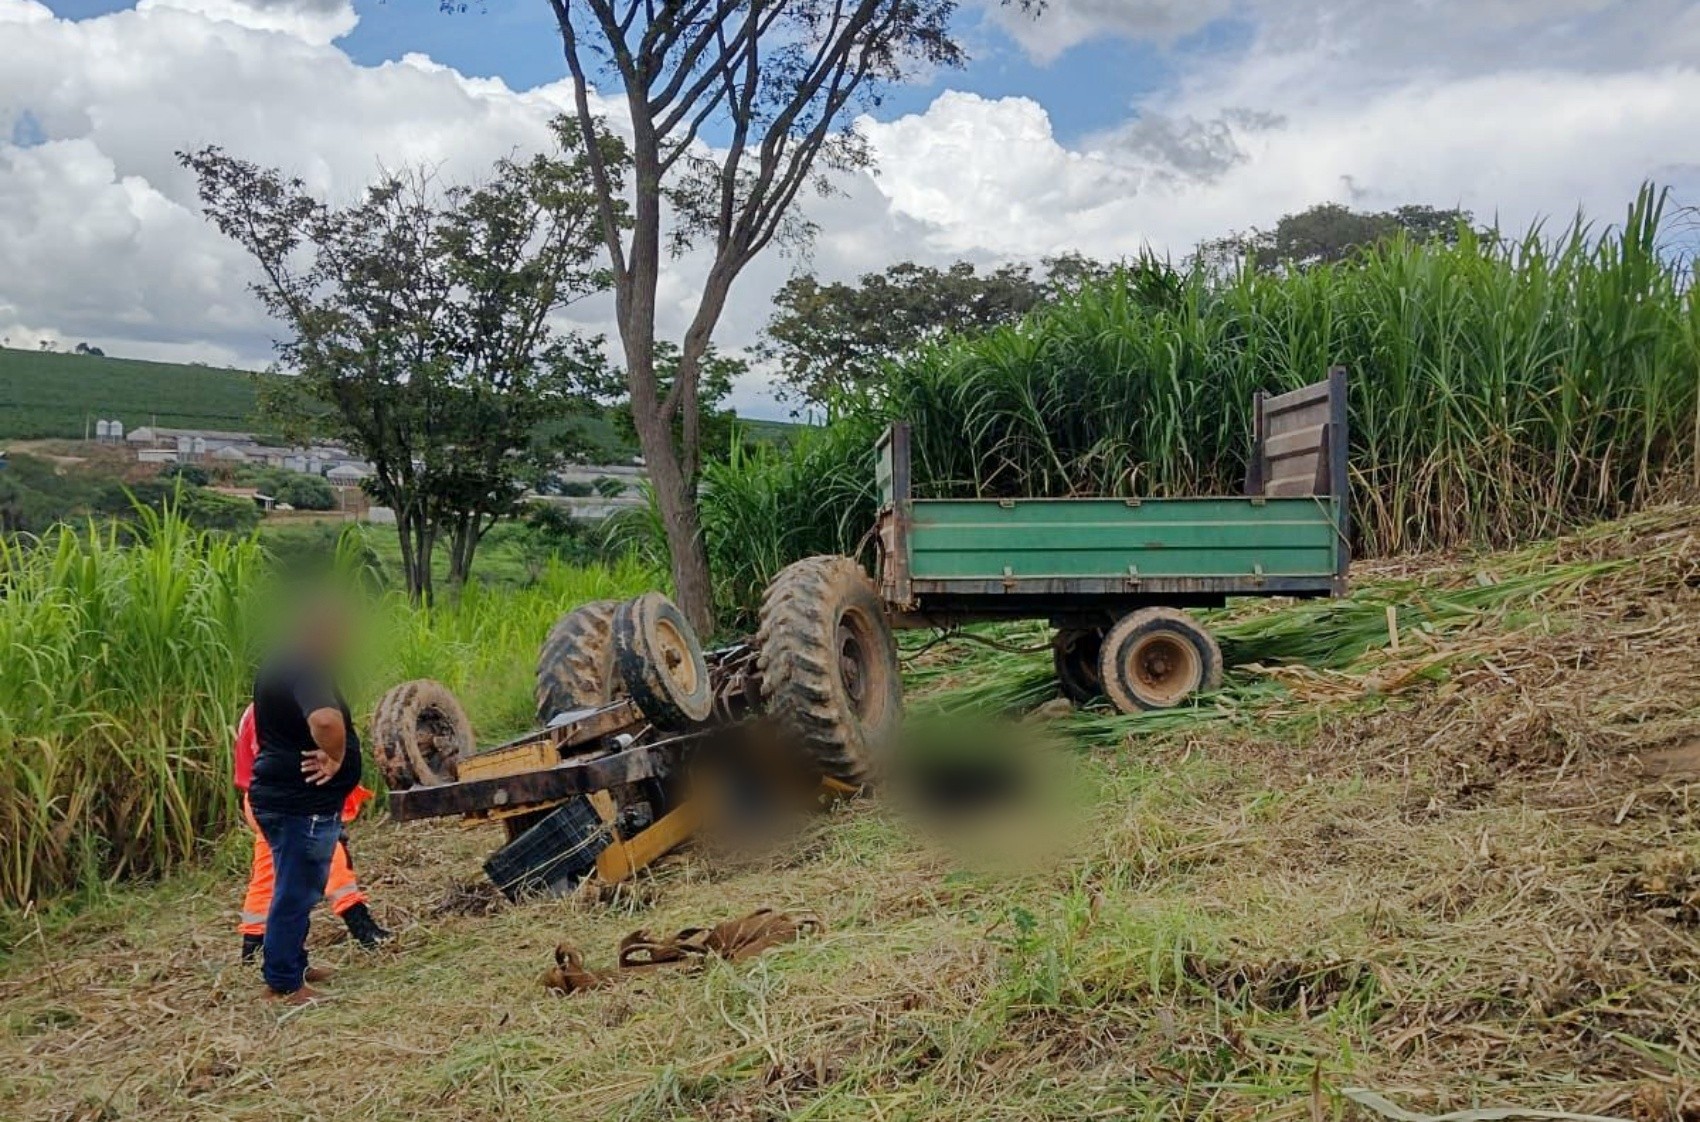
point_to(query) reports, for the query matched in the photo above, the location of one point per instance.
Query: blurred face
(324, 629)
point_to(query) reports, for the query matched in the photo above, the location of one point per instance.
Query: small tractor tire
(1074, 654)
(419, 734)
(575, 668)
(660, 662)
(828, 666)
(1157, 658)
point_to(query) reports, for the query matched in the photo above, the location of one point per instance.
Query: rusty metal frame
(564, 780)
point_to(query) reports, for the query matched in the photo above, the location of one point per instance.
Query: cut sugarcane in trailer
(630, 704)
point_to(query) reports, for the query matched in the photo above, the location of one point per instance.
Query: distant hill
(48, 394)
(45, 394)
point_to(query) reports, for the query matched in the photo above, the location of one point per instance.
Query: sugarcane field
(900, 560)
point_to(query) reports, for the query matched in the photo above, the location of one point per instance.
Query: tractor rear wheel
(1074, 654)
(828, 665)
(575, 668)
(1156, 658)
(419, 734)
(658, 658)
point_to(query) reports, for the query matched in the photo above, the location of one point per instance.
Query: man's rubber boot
(364, 928)
(252, 945)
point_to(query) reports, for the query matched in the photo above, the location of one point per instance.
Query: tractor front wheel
(660, 661)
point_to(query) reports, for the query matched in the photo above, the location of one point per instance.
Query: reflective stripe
(251, 917)
(341, 892)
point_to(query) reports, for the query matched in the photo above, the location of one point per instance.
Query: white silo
(185, 448)
(116, 431)
(198, 446)
(102, 431)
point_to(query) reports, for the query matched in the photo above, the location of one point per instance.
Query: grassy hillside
(57, 395)
(62, 395)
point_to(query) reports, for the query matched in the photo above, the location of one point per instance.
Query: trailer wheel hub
(1166, 666)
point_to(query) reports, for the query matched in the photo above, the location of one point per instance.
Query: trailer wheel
(419, 734)
(828, 666)
(659, 660)
(1074, 654)
(575, 668)
(1156, 658)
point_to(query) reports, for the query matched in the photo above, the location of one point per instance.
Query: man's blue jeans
(302, 846)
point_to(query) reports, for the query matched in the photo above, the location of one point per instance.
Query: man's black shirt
(288, 688)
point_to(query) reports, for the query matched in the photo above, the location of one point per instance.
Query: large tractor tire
(419, 734)
(828, 663)
(1075, 655)
(660, 662)
(575, 668)
(1157, 658)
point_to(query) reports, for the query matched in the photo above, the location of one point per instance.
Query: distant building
(349, 474)
(151, 437)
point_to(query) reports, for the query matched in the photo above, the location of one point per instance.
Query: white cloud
(1519, 107)
(316, 21)
(1068, 23)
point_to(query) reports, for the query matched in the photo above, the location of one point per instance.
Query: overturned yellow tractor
(633, 713)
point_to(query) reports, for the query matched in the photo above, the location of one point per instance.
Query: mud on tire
(419, 734)
(828, 663)
(659, 660)
(575, 668)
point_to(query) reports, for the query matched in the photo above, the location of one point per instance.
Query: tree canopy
(422, 315)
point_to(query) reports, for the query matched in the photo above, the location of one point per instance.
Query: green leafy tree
(303, 492)
(1329, 232)
(777, 84)
(830, 340)
(718, 374)
(420, 323)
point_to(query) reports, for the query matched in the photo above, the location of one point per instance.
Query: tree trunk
(464, 536)
(675, 493)
(417, 545)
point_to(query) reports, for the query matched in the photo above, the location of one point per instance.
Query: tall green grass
(128, 661)
(1502, 390)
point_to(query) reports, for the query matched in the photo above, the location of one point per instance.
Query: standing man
(307, 766)
(342, 891)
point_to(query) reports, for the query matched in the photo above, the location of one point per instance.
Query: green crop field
(51, 395)
(62, 395)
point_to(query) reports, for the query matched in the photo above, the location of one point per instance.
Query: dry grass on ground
(1466, 873)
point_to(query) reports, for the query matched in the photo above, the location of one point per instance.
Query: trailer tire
(1074, 656)
(1157, 658)
(828, 666)
(575, 668)
(660, 662)
(419, 734)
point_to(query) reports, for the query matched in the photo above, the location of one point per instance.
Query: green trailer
(1115, 576)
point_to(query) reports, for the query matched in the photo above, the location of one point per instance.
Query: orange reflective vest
(247, 747)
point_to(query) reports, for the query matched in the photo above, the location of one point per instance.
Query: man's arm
(331, 736)
(324, 723)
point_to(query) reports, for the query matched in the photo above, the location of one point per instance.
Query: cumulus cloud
(316, 21)
(1511, 107)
